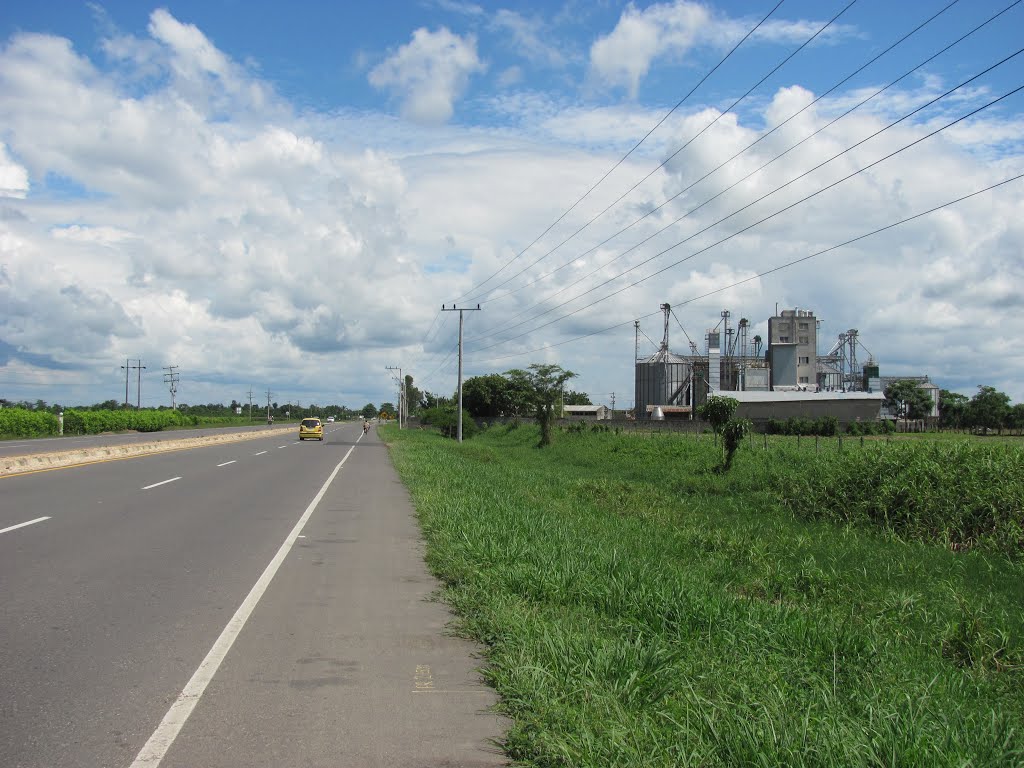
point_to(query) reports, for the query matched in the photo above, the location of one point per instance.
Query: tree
(412, 396)
(1015, 419)
(717, 410)
(544, 385)
(369, 411)
(989, 409)
(952, 409)
(576, 398)
(430, 400)
(486, 396)
(387, 410)
(907, 400)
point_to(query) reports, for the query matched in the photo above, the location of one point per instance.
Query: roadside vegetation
(808, 607)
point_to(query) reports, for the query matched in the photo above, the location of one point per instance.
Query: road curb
(13, 465)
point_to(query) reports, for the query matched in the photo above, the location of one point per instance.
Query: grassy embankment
(639, 608)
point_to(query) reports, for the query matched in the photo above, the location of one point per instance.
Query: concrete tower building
(793, 349)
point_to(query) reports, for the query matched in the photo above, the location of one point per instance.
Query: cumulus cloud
(13, 177)
(249, 244)
(428, 74)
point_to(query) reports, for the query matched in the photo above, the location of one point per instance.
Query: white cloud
(252, 245)
(527, 37)
(429, 73)
(13, 177)
(670, 31)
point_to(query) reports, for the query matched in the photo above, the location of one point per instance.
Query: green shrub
(20, 422)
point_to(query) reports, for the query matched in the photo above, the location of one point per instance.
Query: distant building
(793, 349)
(595, 412)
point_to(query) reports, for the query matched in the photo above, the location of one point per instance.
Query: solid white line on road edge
(259, 454)
(163, 737)
(227, 462)
(162, 482)
(22, 525)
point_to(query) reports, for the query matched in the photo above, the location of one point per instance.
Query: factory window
(803, 326)
(783, 339)
(805, 360)
(802, 380)
(804, 340)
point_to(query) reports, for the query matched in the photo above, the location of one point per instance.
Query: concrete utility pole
(138, 391)
(460, 311)
(268, 405)
(401, 392)
(125, 369)
(250, 403)
(171, 378)
(613, 405)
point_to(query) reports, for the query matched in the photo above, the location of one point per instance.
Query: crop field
(861, 606)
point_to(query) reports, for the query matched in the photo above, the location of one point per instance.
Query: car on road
(311, 429)
(330, 419)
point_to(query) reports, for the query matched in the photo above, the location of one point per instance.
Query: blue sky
(243, 189)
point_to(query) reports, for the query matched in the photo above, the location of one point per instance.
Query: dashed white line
(282, 446)
(227, 462)
(162, 482)
(22, 525)
(259, 454)
(152, 753)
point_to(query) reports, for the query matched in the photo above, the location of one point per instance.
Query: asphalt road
(262, 603)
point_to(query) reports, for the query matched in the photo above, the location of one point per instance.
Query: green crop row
(23, 423)
(19, 422)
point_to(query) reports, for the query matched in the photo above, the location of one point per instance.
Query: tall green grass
(640, 608)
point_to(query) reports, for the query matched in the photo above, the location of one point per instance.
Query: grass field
(640, 608)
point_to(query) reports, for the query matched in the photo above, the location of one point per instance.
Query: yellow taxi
(312, 429)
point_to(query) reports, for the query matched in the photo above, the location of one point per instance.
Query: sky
(282, 196)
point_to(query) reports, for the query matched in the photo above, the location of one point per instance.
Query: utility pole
(401, 392)
(460, 311)
(125, 369)
(268, 406)
(171, 378)
(613, 405)
(138, 391)
(138, 388)
(250, 402)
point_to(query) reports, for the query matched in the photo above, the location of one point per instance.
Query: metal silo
(661, 379)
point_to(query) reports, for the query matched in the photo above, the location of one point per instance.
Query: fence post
(816, 444)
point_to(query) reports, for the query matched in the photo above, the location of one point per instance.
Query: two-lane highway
(109, 601)
(146, 621)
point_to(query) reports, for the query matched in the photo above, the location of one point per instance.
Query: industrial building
(785, 378)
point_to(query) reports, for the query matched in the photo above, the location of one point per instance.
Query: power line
(737, 154)
(773, 270)
(667, 160)
(624, 157)
(766, 195)
(491, 332)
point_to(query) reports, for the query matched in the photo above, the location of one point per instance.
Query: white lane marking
(22, 525)
(163, 737)
(282, 446)
(162, 482)
(259, 454)
(227, 462)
